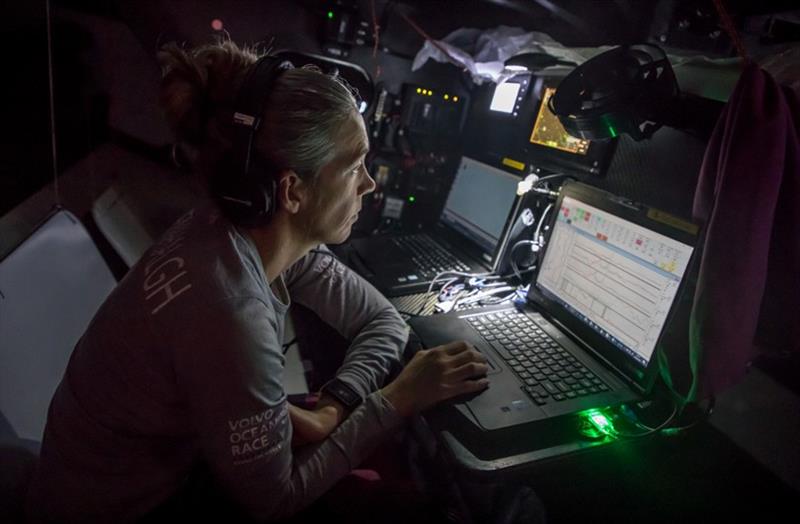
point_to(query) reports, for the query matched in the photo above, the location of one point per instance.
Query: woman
(181, 368)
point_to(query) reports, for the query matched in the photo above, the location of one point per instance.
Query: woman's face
(336, 199)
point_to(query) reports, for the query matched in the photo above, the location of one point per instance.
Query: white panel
(50, 288)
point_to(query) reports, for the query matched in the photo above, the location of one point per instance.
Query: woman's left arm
(353, 307)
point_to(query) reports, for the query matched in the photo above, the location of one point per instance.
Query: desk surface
(698, 475)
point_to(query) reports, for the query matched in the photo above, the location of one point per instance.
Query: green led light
(600, 421)
(612, 131)
(330, 14)
(412, 198)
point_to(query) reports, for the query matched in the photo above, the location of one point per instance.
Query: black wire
(650, 430)
(289, 344)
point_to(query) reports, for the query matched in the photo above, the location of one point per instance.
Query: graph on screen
(619, 278)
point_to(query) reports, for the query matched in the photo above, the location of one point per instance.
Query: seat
(51, 285)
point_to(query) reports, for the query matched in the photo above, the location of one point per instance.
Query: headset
(247, 191)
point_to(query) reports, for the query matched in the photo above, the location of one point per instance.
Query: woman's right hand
(437, 374)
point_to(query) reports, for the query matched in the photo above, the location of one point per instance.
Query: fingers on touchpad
(493, 367)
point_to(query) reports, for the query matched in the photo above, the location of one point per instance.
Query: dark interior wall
(106, 76)
(295, 25)
(26, 162)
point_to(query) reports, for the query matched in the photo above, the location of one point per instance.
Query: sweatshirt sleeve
(231, 371)
(353, 307)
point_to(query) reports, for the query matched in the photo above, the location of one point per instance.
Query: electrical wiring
(376, 36)
(703, 416)
(649, 430)
(289, 344)
(439, 275)
(514, 265)
(549, 177)
(537, 235)
(434, 42)
(537, 243)
(479, 295)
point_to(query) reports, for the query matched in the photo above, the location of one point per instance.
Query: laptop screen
(618, 278)
(479, 202)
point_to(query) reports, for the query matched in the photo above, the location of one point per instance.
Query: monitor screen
(505, 97)
(616, 277)
(480, 201)
(547, 130)
(548, 145)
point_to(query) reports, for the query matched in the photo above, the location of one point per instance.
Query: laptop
(470, 235)
(608, 281)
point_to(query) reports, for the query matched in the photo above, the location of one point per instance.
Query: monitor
(480, 202)
(549, 146)
(505, 97)
(617, 277)
(547, 130)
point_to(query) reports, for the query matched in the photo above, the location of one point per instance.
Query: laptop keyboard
(428, 257)
(549, 373)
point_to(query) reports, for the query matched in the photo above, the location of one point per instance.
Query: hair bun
(199, 86)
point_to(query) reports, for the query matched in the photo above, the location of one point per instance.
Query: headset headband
(250, 102)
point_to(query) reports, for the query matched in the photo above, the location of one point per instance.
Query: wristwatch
(343, 392)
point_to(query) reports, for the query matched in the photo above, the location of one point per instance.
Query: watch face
(343, 392)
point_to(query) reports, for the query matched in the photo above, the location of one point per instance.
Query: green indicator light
(412, 198)
(601, 421)
(611, 130)
(597, 419)
(330, 14)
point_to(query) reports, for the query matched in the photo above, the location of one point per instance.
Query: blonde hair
(304, 111)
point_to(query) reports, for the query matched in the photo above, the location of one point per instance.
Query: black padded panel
(661, 172)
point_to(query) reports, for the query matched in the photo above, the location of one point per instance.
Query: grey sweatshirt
(183, 363)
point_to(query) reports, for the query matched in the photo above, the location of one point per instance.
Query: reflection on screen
(617, 277)
(480, 201)
(548, 131)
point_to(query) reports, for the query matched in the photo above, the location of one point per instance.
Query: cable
(649, 430)
(513, 262)
(537, 241)
(288, 345)
(52, 104)
(376, 36)
(434, 42)
(487, 275)
(549, 177)
(539, 225)
(730, 28)
(704, 415)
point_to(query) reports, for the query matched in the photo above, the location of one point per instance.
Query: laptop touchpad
(438, 330)
(493, 367)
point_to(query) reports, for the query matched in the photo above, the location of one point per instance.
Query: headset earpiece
(247, 190)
